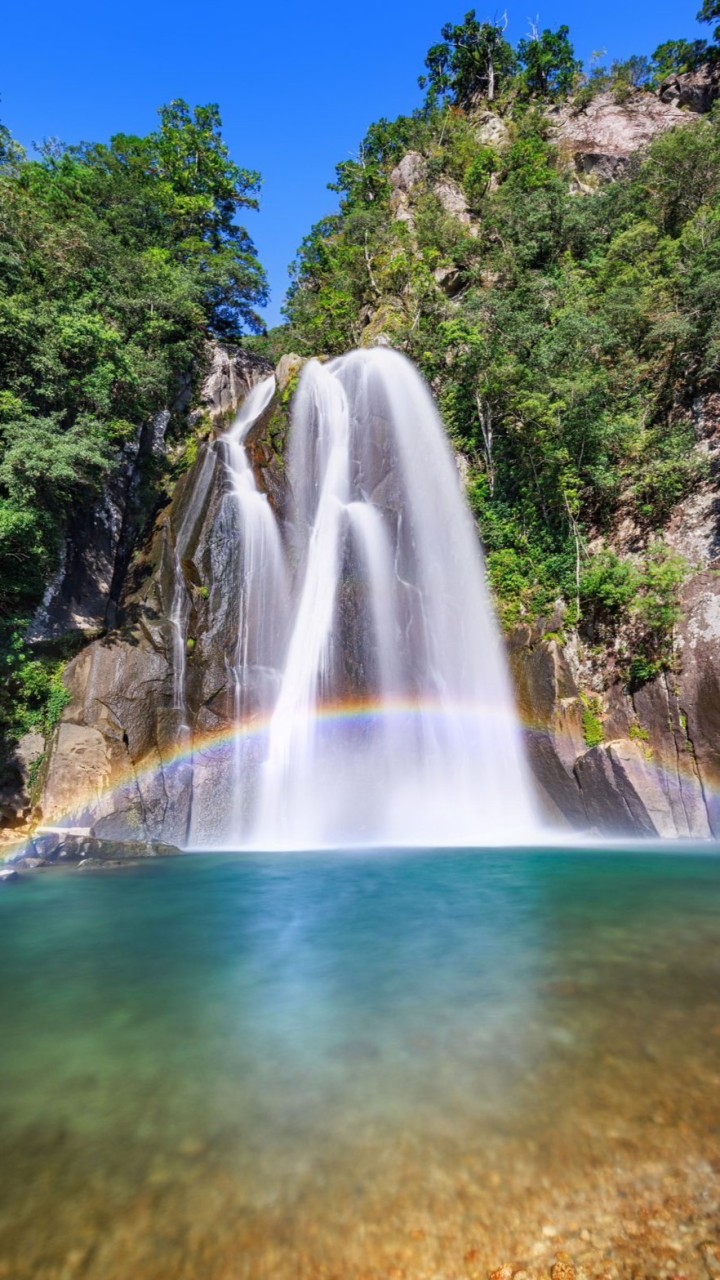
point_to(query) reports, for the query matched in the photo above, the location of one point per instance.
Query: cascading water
(255, 659)
(394, 721)
(370, 693)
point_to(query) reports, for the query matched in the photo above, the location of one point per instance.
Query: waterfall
(370, 693)
(255, 660)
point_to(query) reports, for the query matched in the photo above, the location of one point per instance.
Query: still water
(367, 1065)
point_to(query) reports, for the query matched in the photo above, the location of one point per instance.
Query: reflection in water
(248, 1066)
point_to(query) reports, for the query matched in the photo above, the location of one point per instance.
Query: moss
(638, 734)
(593, 731)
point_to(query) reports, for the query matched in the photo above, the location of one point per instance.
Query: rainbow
(342, 717)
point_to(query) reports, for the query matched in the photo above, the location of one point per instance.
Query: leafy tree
(675, 57)
(473, 61)
(116, 263)
(710, 12)
(549, 63)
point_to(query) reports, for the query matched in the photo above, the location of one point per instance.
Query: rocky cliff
(643, 761)
(117, 760)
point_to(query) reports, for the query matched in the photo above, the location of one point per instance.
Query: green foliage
(473, 61)
(593, 731)
(33, 695)
(710, 12)
(478, 174)
(550, 67)
(567, 364)
(638, 734)
(675, 57)
(116, 263)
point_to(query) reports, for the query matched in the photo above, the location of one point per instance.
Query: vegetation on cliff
(566, 327)
(116, 263)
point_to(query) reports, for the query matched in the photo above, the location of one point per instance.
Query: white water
(263, 600)
(393, 720)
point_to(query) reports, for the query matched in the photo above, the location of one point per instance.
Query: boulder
(696, 90)
(231, 374)
(453, 200)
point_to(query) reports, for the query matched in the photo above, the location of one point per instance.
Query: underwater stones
(562, 1268)
(58, 848)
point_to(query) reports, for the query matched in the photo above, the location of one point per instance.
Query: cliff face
(656, 771)
(644, 762)
(116, 760)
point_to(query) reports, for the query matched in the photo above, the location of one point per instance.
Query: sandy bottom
(418, 1070)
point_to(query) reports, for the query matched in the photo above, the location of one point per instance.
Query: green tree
(473, 61)
(549, 64)
(710, 12)
(675, 57)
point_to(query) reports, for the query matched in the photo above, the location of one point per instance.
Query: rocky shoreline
(79, 849)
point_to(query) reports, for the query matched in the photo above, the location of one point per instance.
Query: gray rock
(453, 200)
(622, 792)
(410, 171)
(601, 138)
(8, 875)
(697, 90)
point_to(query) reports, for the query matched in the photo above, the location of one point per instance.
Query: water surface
(361, 1065)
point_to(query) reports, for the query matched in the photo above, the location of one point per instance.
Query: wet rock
(622, 792)
(699, 684)
(118, 761)
(9, 875)
(550, 709)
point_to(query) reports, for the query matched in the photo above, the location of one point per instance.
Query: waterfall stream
(391, 718)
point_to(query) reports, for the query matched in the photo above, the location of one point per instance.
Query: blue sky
(297, 84)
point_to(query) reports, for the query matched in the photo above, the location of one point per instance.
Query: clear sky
(297, 84)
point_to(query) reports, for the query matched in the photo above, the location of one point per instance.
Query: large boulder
(622, 792)
(696, 90)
